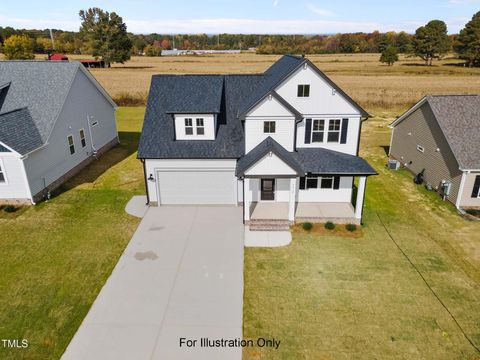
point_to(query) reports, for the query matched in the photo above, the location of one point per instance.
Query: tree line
(104, 35)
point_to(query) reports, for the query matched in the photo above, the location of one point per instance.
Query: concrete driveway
(181, 276)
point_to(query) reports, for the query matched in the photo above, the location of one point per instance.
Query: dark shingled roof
(18, 131)
(307, 160)
(325, 161)
(459, 118)
(262, 149)
(3, 149)
(158, 135)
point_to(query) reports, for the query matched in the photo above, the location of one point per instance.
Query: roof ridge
(11, 111)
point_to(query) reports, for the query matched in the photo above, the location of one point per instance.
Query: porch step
(269, 225)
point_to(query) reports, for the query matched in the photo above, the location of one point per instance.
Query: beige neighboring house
(441, 135)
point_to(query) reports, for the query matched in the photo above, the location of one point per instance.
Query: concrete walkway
(267, 238)
(137, 206)
(181, 276)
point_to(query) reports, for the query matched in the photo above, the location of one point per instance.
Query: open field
(330, 297)
(375, 86)
(56, 256)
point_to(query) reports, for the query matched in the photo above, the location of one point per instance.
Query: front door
(267, 189)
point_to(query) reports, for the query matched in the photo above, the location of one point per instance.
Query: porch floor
(310, 210)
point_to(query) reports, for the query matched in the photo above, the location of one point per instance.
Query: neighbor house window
(200, 127)
(2, 175)
(95, 123)
(83, 141)
(71, 144)
(333, 130)
(269, 127)
(420, 148)
(188, 126)
(303, 90)
(318, 129)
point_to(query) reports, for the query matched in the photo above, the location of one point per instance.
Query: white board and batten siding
(15, 185)
(192, 181)
(83, 103)
(270, 165)
(269, 109)
(208, 122)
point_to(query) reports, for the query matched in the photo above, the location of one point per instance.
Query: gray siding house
(441, 136)
(54, 119)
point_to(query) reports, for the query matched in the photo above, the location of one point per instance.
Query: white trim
(9, 148)
(460, 189)
(2, 171)
(73, 144)
(408, 112)
(420, 148)
(391, 142)
(27, 184)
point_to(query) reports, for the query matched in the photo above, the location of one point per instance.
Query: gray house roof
(229, 96)
(18, 131)
(3, 149)
(459, 119)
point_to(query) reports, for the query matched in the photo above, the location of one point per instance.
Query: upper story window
(71, 144)
(303, 90)
(318, 130)
(188, 126)
(269, 127)
(333, 130)
(2, 174)
(200, 126)
(83, 141)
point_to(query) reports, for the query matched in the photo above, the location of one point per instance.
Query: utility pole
(51, 37)
(173, 37)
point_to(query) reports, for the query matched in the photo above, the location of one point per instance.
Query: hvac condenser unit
(393, 164)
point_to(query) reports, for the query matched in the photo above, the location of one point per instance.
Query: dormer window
(269, 127)
(200, 126)
(303, 90)
(188, 126)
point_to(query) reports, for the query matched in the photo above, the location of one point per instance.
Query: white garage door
(197, 187)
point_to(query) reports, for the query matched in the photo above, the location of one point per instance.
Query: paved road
(180, 276)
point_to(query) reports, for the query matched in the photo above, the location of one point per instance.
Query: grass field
(324, 297)
(331, 297)
(56, 256)
(375, 86)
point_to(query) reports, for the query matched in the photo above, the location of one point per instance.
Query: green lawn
(338, 298)
(56, 256)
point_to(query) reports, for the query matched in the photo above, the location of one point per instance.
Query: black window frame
(200, 126)
(188, 126)
(3, 179)
(326, 179)
(312, 179)
(83, 140)
(319, 133)
(333, 135)
(72, 145)
(303, 90)
(269, 127)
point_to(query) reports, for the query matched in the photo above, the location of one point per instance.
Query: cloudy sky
(246, 16)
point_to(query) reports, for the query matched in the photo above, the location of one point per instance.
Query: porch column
(291, 204)
(246, 199)
(362, 181)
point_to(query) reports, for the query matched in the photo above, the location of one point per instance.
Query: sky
(246, 16)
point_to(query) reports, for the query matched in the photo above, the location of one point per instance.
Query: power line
(428, 285)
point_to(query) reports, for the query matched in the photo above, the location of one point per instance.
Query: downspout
(146, 183)
(363, 200)
(94, 151)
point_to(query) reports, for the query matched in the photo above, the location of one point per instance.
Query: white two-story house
(284, 144)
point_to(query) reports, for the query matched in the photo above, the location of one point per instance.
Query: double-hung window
(333, 130)
(83, 141)
(303, 90)
(318, 130)
(188, 126)
(319, 182)
(326, 182)
(71, 144)
(2, 174)
(200, 126)
(269, 127)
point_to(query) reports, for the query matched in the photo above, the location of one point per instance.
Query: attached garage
(192, 182)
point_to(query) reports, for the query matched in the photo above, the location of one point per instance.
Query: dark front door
(267, 189)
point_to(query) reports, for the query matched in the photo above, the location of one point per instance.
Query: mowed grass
(373, 85)
(331, 297)
(56, 256)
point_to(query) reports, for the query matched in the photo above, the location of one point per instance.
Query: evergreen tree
(389, 55)
(431, 41)
(107, 35)
(467, 44)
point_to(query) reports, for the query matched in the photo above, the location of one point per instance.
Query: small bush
(10, 209)
(329, 225)
(473, 212)
(351, 227)
(307, 226)
(126, 98)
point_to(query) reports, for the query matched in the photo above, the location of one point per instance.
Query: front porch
(337, 212)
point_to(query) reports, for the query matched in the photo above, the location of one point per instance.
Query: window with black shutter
(308, 130)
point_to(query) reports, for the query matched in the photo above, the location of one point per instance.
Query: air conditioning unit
(393, 164)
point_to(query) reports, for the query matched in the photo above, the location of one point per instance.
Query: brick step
(269, 225)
